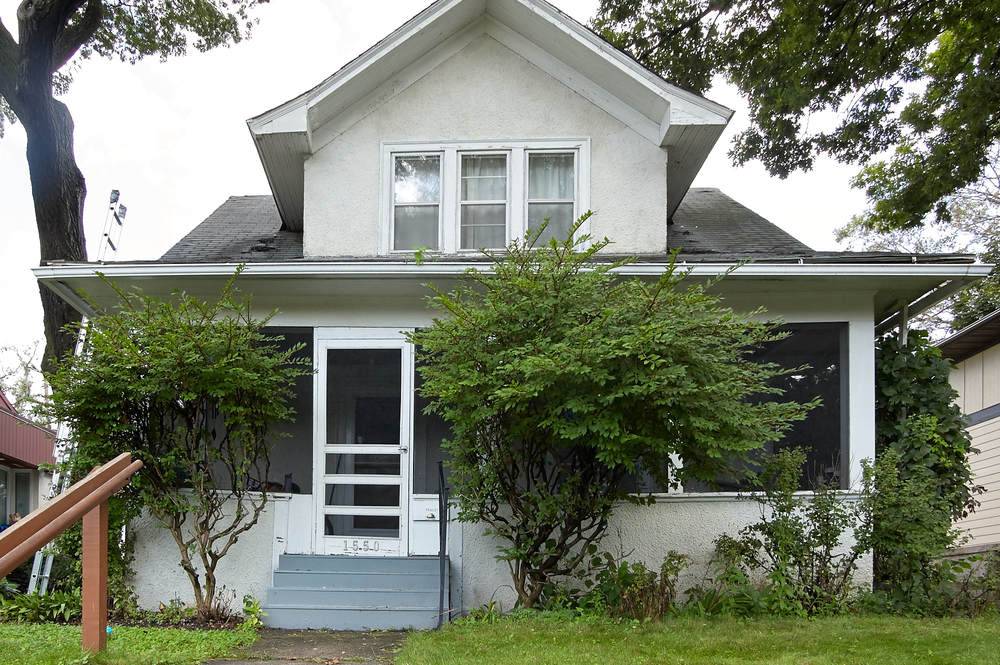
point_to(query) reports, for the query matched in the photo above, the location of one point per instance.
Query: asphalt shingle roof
(708, 221)
(243, 229)
(708, 226)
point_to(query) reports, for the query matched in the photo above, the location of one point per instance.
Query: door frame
(327, 338)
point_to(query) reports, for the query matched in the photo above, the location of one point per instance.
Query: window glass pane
(823, 433)
(550, 176)
(415, 227)
(363, 396)
(360, 526)
(484, 226)
(417, 179)
(22, 493)
(382, 465)
(560, 216)
(362, 495)
(484, 177)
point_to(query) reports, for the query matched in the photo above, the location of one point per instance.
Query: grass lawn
(50, 644)
(546, 639)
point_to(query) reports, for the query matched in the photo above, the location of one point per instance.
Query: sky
(172, 137)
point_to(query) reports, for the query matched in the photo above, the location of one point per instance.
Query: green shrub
(797, 550)
(916, 416)
(627, 590)
(56, 607)
(560, 378)
(912, 531)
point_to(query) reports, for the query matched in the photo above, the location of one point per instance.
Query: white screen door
(362, 441)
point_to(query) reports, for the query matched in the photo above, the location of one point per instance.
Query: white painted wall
(687, 524)
(484, 92)
(246, 569)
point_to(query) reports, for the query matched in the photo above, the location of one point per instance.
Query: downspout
(904, 324)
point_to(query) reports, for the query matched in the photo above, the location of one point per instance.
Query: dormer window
(552, 192)
(466, 197)
(416, 201)
(483, 201)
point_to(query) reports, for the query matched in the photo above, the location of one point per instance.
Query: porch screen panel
(822, 348)
(292, 453)
(429, 430)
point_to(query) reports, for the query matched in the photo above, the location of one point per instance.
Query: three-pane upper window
(457, 199)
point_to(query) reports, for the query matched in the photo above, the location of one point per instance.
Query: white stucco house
(459, 130)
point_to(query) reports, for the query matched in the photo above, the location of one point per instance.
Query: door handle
(403, 449)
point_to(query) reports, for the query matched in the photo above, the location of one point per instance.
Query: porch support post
(95, 578)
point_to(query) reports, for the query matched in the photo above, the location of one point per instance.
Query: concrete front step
(286, 579)
(350, 618)
(363, 598)
(358, 564)
(353, 593)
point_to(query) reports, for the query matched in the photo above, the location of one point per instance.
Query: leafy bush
(916, 415)
(912, 531)
(56, 607)
(797, 549)
(631, 591)
(193, 389)
(559, 378)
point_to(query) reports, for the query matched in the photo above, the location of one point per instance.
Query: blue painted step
(354, 593)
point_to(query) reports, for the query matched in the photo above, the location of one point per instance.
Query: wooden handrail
(22, 529)
(86, 499)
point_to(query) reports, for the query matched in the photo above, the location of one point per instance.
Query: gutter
(362, 269)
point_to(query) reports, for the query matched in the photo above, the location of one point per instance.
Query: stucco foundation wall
(485, 92)
(688, 525)
(246, 568)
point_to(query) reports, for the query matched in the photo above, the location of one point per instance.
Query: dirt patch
(282, 647)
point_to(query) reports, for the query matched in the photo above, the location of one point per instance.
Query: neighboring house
(471, 122)
(975, 350)
(23, 447)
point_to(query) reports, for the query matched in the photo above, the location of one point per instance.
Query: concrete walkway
(295, 647)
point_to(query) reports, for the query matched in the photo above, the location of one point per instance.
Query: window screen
(823, 433)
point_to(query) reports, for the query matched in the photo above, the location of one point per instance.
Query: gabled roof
(556, 43)
(972, 339)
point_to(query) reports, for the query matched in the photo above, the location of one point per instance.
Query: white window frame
(577, 210)
(458, 195)
(392, 195)
(449, 220)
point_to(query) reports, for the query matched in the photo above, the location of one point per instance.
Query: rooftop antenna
(114, 222)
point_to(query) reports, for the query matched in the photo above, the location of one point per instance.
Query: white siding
(977, 380)
(983, 526)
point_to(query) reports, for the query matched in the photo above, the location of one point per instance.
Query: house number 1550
(361, 546)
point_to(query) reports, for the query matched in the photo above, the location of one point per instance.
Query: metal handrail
(86, 500)
(442, 544)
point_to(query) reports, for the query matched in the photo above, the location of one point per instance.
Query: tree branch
(72, 37)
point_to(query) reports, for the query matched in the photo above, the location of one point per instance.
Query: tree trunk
(59, 191)
(57, 185)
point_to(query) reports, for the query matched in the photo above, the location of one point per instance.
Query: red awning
(23, 444)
